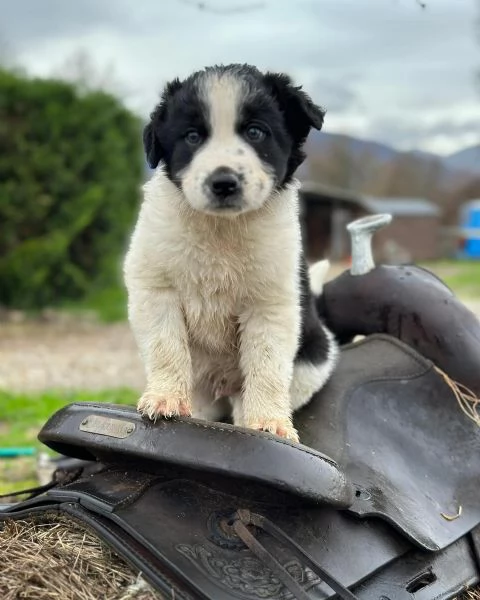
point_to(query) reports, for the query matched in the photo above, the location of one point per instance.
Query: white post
(361, 232)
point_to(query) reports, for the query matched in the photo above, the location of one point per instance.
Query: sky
(387, 70)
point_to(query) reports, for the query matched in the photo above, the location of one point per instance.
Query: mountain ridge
(465, 161)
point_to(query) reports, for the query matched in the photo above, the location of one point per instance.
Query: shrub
(70, 171)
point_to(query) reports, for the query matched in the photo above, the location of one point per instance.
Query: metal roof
(475, 203)
(394, 205)
(415, 207)
(321, 189)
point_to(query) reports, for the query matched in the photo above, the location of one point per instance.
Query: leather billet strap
(243, 518)
(33, 491)
(60, 477)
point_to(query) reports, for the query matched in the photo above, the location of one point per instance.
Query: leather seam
(396, 342)
(426, 369)
(409, 377)
(137, 493)
(120, 503)
(82, 494)
(245, 433)
(279, 441)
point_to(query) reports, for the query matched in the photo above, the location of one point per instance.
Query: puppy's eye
(255, 133)
(193, 137)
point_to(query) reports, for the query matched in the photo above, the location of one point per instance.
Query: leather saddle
(380, 501)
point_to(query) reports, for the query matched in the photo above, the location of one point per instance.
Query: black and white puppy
(219, 296)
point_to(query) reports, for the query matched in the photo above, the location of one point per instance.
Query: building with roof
(412, 236)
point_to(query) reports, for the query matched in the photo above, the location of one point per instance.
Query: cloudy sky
(385, 69)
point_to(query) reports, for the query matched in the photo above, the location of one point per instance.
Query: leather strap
(59, 477)
(243, 518)
(33, 491)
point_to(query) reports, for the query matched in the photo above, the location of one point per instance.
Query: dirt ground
(74, 355)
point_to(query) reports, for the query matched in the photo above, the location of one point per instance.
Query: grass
(22, 415)
(462, 276)
(21, 418)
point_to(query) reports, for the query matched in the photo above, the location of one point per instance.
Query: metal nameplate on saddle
(101, 425)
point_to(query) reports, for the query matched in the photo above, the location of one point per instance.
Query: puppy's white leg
(157, 322)
(268, 340)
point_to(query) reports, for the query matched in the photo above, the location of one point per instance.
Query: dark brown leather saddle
(380, 502)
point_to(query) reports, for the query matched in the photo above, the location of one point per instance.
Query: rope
(468, 402)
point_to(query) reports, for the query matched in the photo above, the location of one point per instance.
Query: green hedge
(70, 172)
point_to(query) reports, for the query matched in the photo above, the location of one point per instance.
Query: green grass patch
(21, 411)
(23, 415)
(17, 474)
(462, 276)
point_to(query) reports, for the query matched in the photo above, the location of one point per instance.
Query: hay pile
(59, 560)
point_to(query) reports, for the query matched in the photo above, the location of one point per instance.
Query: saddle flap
(115, 434)
(395, 427)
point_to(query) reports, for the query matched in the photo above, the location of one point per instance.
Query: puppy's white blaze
(223, 96)
(309, 378)
(317, 274)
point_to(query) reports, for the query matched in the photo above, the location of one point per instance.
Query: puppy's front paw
(281, 427)
(154, 405)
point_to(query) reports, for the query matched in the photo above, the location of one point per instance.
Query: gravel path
(74, 355)
(69, 356)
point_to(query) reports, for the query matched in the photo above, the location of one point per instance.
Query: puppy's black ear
(299, 111)
(153, 150)
(151, 142)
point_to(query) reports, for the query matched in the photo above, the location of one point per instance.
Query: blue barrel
(470, 225)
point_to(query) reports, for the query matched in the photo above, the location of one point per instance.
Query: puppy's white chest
(212, 295)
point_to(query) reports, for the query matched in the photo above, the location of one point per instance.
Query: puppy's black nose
(224, 183)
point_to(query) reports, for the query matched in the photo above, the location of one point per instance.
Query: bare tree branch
(208, 7)
(80, 69)
(6, 53)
